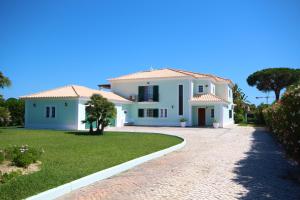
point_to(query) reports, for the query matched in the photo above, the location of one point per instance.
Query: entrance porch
(203, 115)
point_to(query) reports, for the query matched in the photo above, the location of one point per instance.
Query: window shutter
(141, 93)
(155, 93)
(155, 113)
(141, 112)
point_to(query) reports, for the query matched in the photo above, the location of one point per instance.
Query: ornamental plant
(23, 155)
(182, 120)
(283, 119)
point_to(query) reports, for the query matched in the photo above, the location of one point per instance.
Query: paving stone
(232, 163)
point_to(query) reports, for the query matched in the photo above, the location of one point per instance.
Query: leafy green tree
(99, 109)
(16, 108)
(274, 79)
(241, 104)
(4, 81)
(4, 112)
(5, 118)
(90, 118)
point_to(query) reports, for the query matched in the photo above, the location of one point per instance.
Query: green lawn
(70, 156)
(252, 125)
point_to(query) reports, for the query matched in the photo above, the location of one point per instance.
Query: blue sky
(46, 44)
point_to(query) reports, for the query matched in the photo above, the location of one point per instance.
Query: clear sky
(46, 44)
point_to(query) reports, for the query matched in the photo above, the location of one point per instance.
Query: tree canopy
(241, 104)
(4, 81)
(274, 79)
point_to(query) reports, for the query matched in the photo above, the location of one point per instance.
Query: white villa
(153, 98)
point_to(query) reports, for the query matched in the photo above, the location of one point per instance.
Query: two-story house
(161, 97)
(153, 98)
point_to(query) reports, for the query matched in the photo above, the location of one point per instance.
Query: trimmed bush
(22, 156)
(283, 119)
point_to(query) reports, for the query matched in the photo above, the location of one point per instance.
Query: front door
(201, 116)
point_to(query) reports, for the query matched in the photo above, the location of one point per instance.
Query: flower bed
(18, 160)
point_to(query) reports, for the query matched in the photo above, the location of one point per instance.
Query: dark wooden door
(201, 116)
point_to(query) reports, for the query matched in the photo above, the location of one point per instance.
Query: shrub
(1, 156)
(283, 119)
(22, 156)
(4, 178)
(239, 118)
(258, 114)
(182, 119)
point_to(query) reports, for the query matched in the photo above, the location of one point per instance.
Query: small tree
(4, 112)
(241, 104)
(16, 108)
(99, 109)
(90, 118)
(274, 79)
(5, 118)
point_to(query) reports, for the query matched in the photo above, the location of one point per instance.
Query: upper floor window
(230, 114)
(213, 90)
(50, 112)
(200, 88)
(148, 93)
(229, 93)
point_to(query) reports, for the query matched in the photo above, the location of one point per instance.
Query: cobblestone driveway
(233, 163)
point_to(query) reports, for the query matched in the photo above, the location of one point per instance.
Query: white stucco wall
(226, 120)
(65, 114)
(168, 99)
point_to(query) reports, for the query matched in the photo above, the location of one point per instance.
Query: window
(141, 112)
(212, 113)
(47, 112)
(53, 112)
(213, 89)
(230, 114)
(180, 99)
(152, 112)
(148, 93)
(50, 112)
(163, 113)
(200, 88)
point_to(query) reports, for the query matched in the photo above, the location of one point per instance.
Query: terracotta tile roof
(160, 73)
(74, 91)
(207, 98)
(169, 73)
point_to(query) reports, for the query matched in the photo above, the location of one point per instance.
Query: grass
(251, 125)
(70, 156)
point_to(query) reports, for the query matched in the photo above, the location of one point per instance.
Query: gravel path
(232, 163)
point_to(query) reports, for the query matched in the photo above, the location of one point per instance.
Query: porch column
(219, 113)
(190, 121)
(190, 116)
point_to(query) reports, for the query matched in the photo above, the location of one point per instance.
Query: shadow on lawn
(265, 173)
(85, 133)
